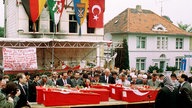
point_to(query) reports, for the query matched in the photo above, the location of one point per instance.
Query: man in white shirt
(123, 80)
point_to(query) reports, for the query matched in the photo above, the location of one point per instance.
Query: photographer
(11, 92)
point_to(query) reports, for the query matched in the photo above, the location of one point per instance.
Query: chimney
(138, 8)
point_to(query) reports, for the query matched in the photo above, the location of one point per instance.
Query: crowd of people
(19, 91)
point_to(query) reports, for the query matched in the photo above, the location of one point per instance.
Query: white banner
(19, 59)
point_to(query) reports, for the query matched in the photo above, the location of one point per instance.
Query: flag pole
(80, 30)
(54, 31)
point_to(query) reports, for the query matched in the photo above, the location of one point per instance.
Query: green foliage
(186, 27)
(152, 68)
(122, 59)
(171, 68)
(1, 31)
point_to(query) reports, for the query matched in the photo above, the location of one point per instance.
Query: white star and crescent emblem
(96, 15)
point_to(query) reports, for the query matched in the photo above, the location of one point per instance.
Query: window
(159, 27)
(179, 43)
(89, 30)
(162, 42)
(140, 63)
(72, 24)
(141, 42)
(32, 26)
(52, 25)
(178, 63)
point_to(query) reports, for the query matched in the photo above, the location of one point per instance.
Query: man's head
(69, 73)
(154, 77)
(114, 75)
(134, 78)
(21, 78)
(2, 82)
(27, 75)
(6, 77)
(44, 78)
(64, 75)
(36, 77)
(173, 76)
(77, 75)
(54, 75)
(161, 77)
(182, 78)
(123, 77)
(96, 77)
(107, 72)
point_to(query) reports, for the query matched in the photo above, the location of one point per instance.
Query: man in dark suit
(185, 92)
(23, 98)
(96, 79)
(30, 87)
(64, 81)
(107, 78)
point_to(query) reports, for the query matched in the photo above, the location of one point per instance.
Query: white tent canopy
(49, 43)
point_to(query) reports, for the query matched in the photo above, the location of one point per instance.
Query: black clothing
(110, 80)
(61, 83)
(185, 96)
(166, 99)
(23, 97)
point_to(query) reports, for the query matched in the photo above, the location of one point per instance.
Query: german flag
(33, 8)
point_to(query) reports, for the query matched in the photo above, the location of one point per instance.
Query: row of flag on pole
(95, 8)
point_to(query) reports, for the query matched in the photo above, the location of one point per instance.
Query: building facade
(152, 39)
(63, 46)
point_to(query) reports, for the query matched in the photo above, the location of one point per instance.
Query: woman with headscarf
(167, 95)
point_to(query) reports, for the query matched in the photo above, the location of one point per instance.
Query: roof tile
(131, 20)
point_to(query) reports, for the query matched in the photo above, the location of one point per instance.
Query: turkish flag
(96, 10)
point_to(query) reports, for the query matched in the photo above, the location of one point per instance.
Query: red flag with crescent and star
(96, 10)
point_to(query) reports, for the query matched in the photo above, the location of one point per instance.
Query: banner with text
(19, 59)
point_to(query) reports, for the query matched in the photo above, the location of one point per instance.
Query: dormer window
(159, 27)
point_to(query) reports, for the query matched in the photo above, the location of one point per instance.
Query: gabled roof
(142, 21)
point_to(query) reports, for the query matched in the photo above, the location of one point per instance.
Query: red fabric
(128, 96)
(34, 10)
(76, 67)
(96, 10)
(98, 86)
(39, 95)
(104, 94)
(116, 91)
(59, 99)
(67, 68)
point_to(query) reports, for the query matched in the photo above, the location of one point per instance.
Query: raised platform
(111, 104)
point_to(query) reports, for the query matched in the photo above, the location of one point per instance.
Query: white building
(152, 39)
(64, 45)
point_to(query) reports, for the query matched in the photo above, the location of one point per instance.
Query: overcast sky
(177, 10)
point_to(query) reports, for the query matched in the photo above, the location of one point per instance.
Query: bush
(152, 68)
(171, 68)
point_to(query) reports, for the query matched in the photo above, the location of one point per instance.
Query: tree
(166, 17)
(1, 31)
(122, 59)
(186, 27)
